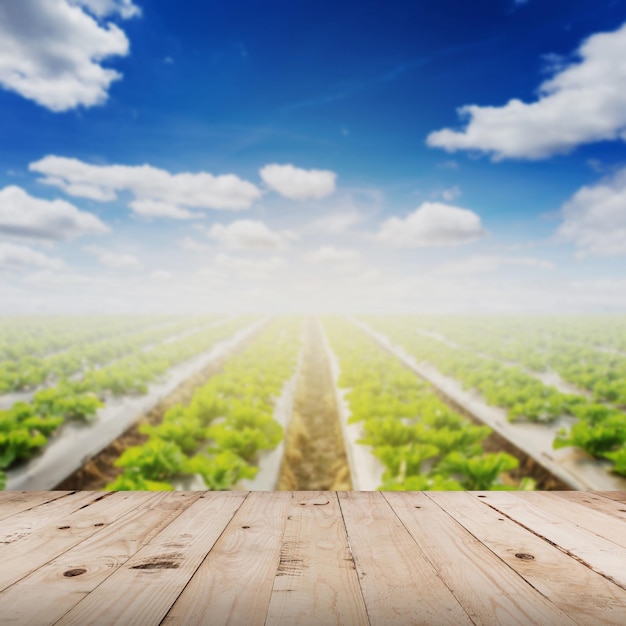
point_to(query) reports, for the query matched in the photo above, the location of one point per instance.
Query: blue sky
(397, 156)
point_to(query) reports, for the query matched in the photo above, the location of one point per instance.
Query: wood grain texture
(285, 558)
(620, 496)
(13, 502)
(63, 582)
(316, 582)
(144, 589)
(600, 523)
(400, 585)
(601, 555)
(472, 571)
(592, 500)
(32, 538)
(577, 590)
(234, 583)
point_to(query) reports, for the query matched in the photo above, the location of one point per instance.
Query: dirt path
(315, 455)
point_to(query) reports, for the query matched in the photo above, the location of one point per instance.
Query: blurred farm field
(409, 402)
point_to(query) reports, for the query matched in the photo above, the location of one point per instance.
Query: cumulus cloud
(250, 235)
(102, 8)
(298, 184)
(154, 208)
(115, 260)
(13, 256)
(249, 268)
(51, 50)
(23, 215)
(432, 224)
(337, 222)
(485, 264)
(582, 103)
(193, 245)
(155, 190)
(330, 254)
(595, 217)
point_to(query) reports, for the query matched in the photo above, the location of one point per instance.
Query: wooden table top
(321, 558)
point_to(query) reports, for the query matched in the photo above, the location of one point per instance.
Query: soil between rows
(315, 456)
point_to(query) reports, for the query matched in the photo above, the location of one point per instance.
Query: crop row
(220, 434)
(25, 427)
(39, 336)
(32, 371)
(421, 441)
(600, 429)
(606, 332)
(601, 372)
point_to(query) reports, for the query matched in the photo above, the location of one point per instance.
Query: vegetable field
(302, 403)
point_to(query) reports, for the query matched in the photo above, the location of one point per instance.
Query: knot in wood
(74, 572)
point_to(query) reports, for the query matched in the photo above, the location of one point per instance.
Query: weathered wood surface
(313, 558)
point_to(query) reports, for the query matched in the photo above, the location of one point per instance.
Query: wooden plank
(63, 582)
(619, 496)
(601, 555)
(14, 502)
(601, 524)
(316, 582)
(234, 583)
(488, 590)
(34, 537)
(399, 584)
(578, 591)
(593, 501)
(144, 589)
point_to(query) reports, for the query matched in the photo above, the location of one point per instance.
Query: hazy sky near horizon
(434, 156)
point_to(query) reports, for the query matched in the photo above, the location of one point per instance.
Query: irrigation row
(292, 464)
(76, 443)
(572, 466)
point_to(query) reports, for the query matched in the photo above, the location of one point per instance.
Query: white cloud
(430, 225)
(192, 245)
(154, 208)
(582, 103)
(161, 275)
(329, 254)
(13, 256)
(595, 217)
(451, 194)
(336, 222)
(154, 189)
(23, 215)
(51, 50)
(115, 260)
(102, 8)
(485, 264)
(249, 268)
(298, 184)
(250, 235)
